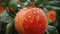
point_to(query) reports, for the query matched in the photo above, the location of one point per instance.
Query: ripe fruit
(1, 9)
(30, 20)
(11, 9)
(52, 15)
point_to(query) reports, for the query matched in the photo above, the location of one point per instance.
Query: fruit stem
(28, 7)
(32, 1)
(33, 4)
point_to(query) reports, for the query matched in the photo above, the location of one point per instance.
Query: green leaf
(24, 0)
(0, 25)
(6, 17)
(9, 13)
(9, 28)
(37, 2)
(45, 11)
(6, 3)
(11, 5)
(53, 3)
(52, 30)
(52, 7)
(15, 9)
(54, 23)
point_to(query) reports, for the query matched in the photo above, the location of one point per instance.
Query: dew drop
(37, 18)
(34, 12)
(38, 12)
(29, 16)
(43, 14)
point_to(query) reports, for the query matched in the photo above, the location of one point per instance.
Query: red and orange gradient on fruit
(1, 9)
(52, 15)
(31, 20)
(10, 9)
